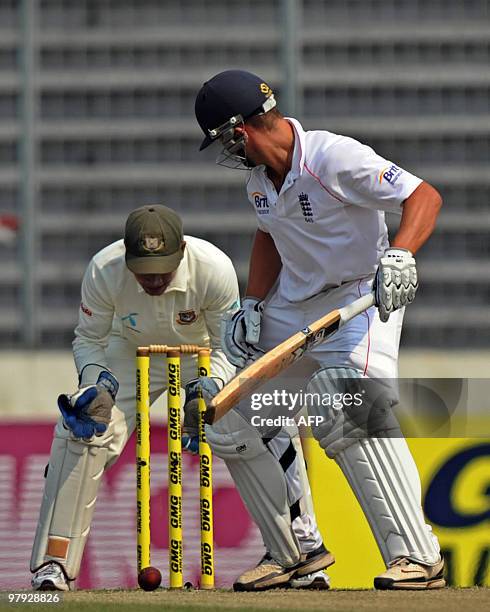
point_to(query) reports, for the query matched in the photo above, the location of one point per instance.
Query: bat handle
(358, 306)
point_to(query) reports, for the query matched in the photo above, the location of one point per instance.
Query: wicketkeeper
(156, 286)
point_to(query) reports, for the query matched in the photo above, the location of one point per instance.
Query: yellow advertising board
(455, 477)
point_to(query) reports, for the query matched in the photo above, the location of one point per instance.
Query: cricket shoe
(50, 577)
(268, 574)
(317, 581)
(405, 574)
(314, 561)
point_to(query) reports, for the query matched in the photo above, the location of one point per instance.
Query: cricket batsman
(321, 242)
(156, 286)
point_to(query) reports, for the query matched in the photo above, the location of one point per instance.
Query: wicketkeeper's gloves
(87, 412)
(209, 387)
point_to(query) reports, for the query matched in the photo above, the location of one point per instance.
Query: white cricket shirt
(328, 222)
(189, 312)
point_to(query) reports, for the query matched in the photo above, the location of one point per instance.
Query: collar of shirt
(179, 281)
(298, 160)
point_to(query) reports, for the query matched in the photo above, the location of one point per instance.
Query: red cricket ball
(149, 578)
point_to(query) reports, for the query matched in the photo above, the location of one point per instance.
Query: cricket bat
(280, 357)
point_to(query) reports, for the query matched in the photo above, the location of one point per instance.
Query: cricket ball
(149, 578)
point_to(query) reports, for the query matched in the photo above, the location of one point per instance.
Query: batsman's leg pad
(261, 482)
(352, 407)
(373, 455)
(72, 482)
(385, 480)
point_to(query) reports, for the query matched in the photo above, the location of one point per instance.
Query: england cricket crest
(306, 209)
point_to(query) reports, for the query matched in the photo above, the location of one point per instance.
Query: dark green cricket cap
(153, 240)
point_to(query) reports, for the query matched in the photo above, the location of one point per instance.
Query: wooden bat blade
(280, 357)
(252, 377)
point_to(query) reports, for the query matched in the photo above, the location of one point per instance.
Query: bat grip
(351, 310)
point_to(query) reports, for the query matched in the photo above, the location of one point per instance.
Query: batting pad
(72, 482)
(260, 479)
(385, 480)
(368, 445)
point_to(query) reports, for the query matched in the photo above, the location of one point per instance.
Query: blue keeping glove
(190, 444)
(210, 387)
(87, 412)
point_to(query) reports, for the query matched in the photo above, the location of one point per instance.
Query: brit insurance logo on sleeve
(390, 174)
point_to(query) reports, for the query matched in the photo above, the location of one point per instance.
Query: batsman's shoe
(268, 574)
(318, 581)
(406, 574)
(314, 561)
(50, 577)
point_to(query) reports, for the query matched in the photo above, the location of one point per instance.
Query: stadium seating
(96, 118)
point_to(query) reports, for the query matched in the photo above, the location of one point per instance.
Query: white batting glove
(396, 281)
(240, 332)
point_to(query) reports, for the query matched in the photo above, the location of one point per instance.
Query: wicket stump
(175, 546)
